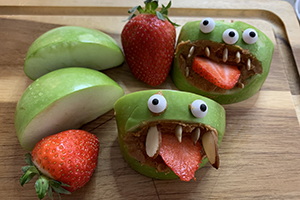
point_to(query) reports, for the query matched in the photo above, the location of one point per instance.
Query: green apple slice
(71, 46)
(61, 100)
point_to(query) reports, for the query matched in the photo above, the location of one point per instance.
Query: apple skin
(262, 50)
(131, 112)
(51, 90)
(71, 46)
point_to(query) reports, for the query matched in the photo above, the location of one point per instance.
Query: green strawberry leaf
(154, 5)
(174, 24)
(169, 5)
(160, 16)
(41, 186)
(65, 185)
(28, 175)
(150, 7)
(133, 10)
(56, 186)
(50, 193)
(61, 190)
(26, 178)
(25, 169)
(54, 183)
(164, 9)
(28, 159)
(147, 5)
(140, 9)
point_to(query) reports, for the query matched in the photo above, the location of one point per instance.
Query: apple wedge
(71, 46)
(61, 100)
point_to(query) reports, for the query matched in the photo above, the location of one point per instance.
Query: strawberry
(220, 74)
(64, 162)
(148, 41)
(183, 158)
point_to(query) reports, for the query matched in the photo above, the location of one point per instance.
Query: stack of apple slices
(66, 94)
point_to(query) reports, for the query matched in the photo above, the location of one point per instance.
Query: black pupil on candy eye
(205, 22)
(203, 107)
(252, 34)
(155, 102)
(231, 34)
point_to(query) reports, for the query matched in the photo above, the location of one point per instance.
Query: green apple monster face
(167, 134)
(227, 62)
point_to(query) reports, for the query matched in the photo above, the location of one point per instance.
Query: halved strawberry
(183, 158)
(220, 74)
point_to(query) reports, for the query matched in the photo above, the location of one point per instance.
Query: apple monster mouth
(229, 54)
(144, 145)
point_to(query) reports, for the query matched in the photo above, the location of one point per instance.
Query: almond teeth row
(225, 57)
(209, 143)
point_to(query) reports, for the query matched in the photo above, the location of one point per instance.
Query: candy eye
(207, 25)
(157, 103)
(250, 36)
(230, 36)
(199, 108)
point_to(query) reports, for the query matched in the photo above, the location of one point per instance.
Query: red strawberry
(222, 75)
(148, 41)
(64, 162)
(183, 158)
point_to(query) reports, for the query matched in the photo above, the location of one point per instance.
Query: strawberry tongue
(183, 158)
(220, 74)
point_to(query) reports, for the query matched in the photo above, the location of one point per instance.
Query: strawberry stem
(150, 8)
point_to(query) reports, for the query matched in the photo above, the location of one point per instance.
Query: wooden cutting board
(260, 153)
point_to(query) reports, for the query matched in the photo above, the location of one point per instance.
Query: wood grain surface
(260, 153)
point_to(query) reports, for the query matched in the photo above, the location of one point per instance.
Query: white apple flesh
(71, 46)
(61, 100)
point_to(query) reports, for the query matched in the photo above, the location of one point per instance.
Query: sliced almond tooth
(238, 57)
(191, 51)
(248, 64)
(210, 146)
(187, 72)
(178, 133)
(196, 135)
(225, 55)
(242, 85)
(153, 141)
(207, 52)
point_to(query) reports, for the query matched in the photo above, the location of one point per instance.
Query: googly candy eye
(207, 25)
(199, 108)
(250, 36)
(157, 103)
(230, 36)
